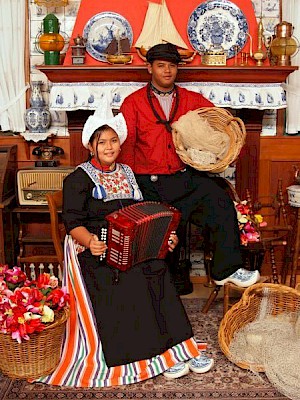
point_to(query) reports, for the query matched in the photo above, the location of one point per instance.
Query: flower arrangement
(248, 222)
(26, 306)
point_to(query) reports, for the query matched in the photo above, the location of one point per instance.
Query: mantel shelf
(124, 73)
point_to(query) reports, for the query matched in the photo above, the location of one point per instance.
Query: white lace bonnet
(103, 115)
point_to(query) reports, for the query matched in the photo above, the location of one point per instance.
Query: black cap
(164, 51)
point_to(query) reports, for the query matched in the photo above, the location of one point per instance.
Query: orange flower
(248, 224)
(30, 305)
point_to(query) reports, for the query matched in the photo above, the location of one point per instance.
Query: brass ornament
(52, 3)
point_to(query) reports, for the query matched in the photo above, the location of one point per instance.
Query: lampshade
(51, 42)
(51, 3)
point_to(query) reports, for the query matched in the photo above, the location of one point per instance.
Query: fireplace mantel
(247, 165)
(124, 73)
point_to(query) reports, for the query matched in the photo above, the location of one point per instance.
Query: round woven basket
(37, 356)
(220, 120)
(281, 298)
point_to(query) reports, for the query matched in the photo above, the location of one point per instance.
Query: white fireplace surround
(85, 95)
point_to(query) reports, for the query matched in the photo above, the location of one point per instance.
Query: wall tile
(257, 7)
(269, 24)
(270, 8)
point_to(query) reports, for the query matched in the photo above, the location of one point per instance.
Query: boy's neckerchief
(165, 122)
(160, 92)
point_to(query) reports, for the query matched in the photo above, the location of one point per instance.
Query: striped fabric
(82, 363)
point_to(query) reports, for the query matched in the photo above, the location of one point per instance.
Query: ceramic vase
(37, 117)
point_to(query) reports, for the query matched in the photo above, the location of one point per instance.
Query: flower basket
(281, 299)
(33, 315)
(36, 357)
(221, 120)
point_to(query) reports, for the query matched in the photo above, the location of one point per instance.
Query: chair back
(58, 232)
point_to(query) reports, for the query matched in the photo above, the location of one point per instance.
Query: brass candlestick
(260, 54)
(236, 51)
(244, 59)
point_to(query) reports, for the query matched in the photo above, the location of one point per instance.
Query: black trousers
(190, 191)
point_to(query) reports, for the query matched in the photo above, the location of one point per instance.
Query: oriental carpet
(225, 381)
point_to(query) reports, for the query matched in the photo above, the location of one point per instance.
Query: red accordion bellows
(140, 232)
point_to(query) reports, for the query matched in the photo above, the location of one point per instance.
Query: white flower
(48, 314)
(53, 282)
(242, 218)
(29, 315)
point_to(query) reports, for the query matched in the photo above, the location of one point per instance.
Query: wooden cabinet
(278, 156)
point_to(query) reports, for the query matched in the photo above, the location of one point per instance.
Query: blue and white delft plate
(216, 24)
(101, 29)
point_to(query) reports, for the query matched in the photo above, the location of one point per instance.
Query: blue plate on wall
(217, 24)
(101, 29)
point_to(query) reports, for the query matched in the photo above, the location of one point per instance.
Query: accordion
(139, 232)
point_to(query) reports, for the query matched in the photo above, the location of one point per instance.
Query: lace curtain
(291, 13)
(12, 72)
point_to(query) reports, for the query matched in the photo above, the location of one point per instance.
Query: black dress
(140, 316)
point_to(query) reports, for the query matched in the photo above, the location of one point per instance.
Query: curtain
(12, 71)
(291, 13)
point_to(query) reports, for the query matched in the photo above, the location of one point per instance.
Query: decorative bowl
(119, 59)
(185, 53)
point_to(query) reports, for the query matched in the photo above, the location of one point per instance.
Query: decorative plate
(217, 24)
(101, 29)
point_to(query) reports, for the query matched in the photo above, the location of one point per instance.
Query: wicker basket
(223, 121)
(36, 357)
(281, 297)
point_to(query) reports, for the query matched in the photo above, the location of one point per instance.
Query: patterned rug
(225, 381)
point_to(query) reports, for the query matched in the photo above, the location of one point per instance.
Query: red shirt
(149, 147)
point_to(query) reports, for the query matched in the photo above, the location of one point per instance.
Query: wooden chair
(206, 246)
(233, 293)
(253, 256)
(55, 201)
(277, 234)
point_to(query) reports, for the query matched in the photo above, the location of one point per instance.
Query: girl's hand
(173, 241)
(97, 247)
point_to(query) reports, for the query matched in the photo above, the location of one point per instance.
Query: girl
(133, 329)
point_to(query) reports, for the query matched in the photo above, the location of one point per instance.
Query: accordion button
(153, 178)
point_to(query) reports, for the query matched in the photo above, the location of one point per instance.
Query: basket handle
(241, 124)
(249, 293)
